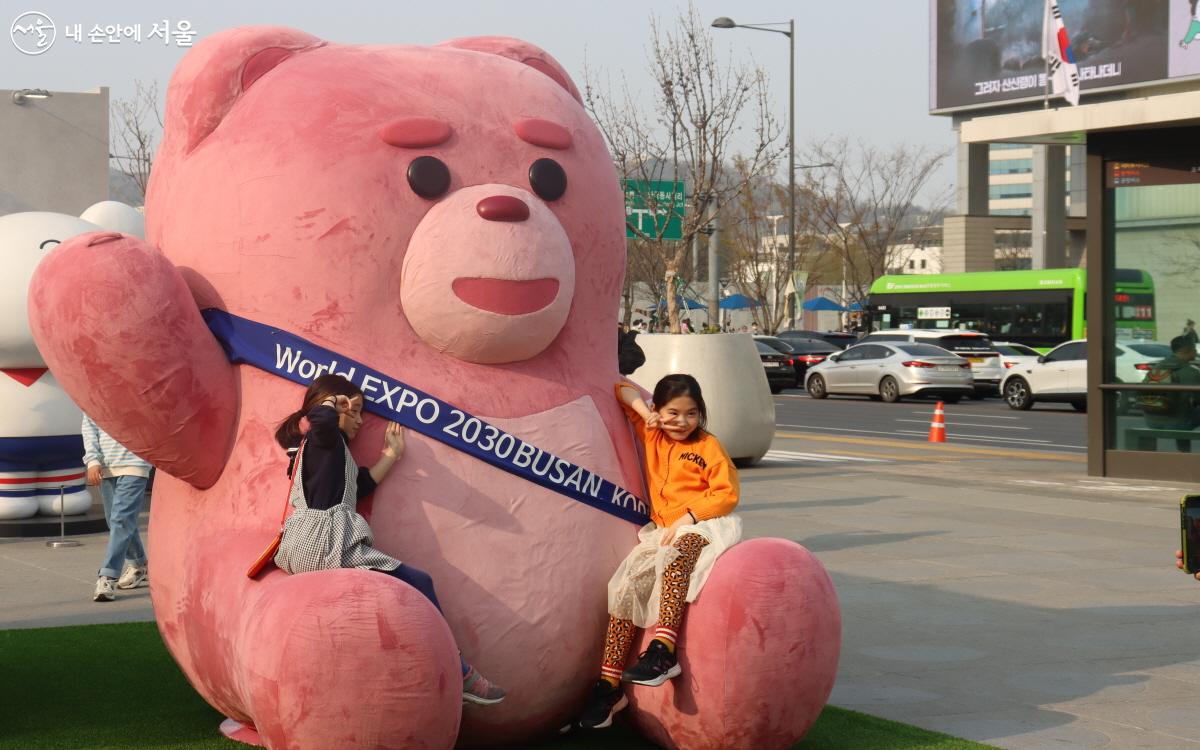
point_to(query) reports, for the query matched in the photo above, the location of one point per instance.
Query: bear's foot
(759, 653)
(347, 659)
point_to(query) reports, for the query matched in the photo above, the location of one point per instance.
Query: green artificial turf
(115, 686)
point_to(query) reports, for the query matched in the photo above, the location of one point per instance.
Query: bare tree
(136, 126)
(866, 203)
(1013, 249)
(644, 265)
(760, 265)
(697, 106)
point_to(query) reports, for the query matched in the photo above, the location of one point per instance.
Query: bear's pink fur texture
(281, 194)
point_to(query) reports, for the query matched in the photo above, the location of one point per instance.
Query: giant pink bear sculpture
(282, 193)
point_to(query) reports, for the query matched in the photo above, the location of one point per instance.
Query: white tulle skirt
(636, 587)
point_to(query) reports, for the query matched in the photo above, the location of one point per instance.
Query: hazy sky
(861, 67)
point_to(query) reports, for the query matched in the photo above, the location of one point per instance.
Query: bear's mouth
(506, 296)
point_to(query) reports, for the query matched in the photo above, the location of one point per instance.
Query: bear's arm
(119, 328)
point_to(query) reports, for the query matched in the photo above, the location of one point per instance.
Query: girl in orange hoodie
(693, 489)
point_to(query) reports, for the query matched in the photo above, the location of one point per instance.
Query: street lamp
(23, 95)
(724, 22)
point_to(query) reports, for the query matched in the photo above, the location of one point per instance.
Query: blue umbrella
(822, 303)
(854, 307)
(739, 302)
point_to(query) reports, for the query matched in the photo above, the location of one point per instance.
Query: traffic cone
(937, 428)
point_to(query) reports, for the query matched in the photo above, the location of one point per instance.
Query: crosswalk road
(793, 457)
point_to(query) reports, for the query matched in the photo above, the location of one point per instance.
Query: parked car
(891, 371)
(986, 363)
(779, 367)
(809, 352)
(1014, 354)
(1058, 376)
(839, 339)
(1134, 359)
(775, 343)
(804, 352)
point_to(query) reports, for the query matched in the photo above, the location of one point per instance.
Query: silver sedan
(892, 371)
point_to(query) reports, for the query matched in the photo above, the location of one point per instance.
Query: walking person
(122, 478)
(324, 530)
(693, 491)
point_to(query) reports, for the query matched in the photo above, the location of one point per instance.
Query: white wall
(53, 152)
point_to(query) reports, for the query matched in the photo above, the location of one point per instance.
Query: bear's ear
(220, 68)
(523, 52)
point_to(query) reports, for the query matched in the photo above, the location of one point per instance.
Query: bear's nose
(502, 208)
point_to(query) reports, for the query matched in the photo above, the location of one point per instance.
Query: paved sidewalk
(996, 595)
(43, 587)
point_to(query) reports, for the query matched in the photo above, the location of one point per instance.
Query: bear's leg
(759, 652)
(348, 658)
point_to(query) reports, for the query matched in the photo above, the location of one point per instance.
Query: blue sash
(296, 359)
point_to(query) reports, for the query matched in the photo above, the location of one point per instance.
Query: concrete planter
(741, 411)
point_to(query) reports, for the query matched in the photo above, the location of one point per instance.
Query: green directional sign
(654, 208)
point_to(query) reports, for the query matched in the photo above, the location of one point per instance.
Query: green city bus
(1040, 309)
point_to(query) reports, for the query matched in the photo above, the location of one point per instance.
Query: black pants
(418, 579)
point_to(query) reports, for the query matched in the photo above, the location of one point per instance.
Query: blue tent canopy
(822, 303)
(738, 302)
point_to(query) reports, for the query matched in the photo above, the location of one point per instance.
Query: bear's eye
(428, 177)
(48, 242)
(547, 179)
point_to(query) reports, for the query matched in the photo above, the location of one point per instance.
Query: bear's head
(447, 212)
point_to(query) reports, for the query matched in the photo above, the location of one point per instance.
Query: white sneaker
(133, 576)
(105, 589)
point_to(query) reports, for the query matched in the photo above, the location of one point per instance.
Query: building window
(1152, 264)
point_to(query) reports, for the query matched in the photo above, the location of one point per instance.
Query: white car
(1016, 355)
(1060, 375)
(1134, 359)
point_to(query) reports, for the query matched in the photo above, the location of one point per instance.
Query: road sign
(654, 206)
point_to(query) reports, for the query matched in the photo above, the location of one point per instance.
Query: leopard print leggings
(676, 579)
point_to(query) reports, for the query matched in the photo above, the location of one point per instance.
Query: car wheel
(952, 399)
(816, 387)
(889, 389)
(1018, 395)
(1079, 405)
(776, 388)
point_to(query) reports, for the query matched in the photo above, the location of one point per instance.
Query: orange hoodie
(695, 475)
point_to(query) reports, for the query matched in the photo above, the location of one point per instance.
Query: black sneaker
(605, 703)
(655, 666)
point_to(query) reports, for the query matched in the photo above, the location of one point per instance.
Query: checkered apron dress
(325, 539)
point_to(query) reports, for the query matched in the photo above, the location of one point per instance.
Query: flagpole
(1046, 56)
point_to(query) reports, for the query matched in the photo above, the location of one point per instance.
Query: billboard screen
(990, 51)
